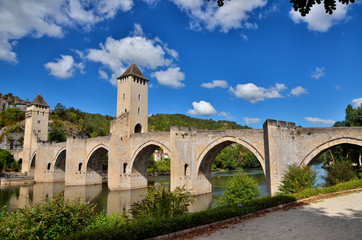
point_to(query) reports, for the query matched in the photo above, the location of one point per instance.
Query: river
(15, 197)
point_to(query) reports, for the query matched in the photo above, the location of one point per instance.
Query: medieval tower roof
(39, 100)
(133, 70)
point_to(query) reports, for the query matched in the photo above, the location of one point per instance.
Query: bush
(49, 219)
(240, 189)
(297, 178)
(114, 221)
(160, 202)
(339, 172)
(57, 134)
(7, 162)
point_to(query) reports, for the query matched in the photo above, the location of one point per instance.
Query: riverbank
(339, 217)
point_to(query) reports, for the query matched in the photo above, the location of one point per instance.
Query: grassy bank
(155, 227)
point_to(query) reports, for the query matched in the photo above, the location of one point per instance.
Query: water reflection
(114, 201)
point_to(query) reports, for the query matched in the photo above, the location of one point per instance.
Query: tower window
(124, 96)
(139, 97)
(39, 130)
(38, 112)
(49, 164)
(139, 109)
(138, 128)
(38, 121)
(124, 167)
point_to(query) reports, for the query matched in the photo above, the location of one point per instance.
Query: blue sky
(246, 62)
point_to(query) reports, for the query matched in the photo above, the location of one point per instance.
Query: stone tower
(36, 128)
(132, 99)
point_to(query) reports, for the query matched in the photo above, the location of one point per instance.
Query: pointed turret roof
(133, 71)
(39, 100)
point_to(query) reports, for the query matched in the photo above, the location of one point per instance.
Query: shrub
(47, 220)
(297, 178)
(57, 134)
(160, 202)
(114, 221)
(7, 162)
(339, 172)
(240, 189)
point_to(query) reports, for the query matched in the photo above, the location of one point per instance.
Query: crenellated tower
(36, 128)
(132, 99)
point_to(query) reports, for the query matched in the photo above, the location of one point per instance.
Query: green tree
(7, 161)
(57, 134)
(162, 203)
(240, 189)
(297, 178)
(339, 172)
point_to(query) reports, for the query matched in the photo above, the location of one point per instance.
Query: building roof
(39, 100)
(133, 71)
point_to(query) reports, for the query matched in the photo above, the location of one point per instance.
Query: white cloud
(38, 18)
(316, 120)
(357, 102)
(233, 15)
(64, 67)
(117, 55)
(253, 93)
(227, 115)
(318, 73)
(215, 83)
(202, 108)
(318, 20)
(251, 120)
(297, 91)
(151, 3)
(103, 74)
(172, 77)
(337, 87)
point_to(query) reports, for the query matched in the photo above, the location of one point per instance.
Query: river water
(15, 197)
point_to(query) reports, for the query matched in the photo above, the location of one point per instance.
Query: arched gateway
(125, 152)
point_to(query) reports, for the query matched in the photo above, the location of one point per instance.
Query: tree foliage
(297, 178)
(240, 189)
(304, 6)
(11, 116)
(235, 156)
(160, 202)
(339, 172)
(7, 162)
(88, 123)
(162, 123)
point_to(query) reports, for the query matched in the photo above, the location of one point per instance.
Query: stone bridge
(129, 146)
(79, 161)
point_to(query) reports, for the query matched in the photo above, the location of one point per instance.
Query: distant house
(159, 155)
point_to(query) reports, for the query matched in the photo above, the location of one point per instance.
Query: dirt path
(334, 218)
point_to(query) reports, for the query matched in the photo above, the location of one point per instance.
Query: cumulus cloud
(233, 15)
(357, 102)
(251, 120)
(202, 108)
(103, 74)
(253, 93)
(318, 20)
(215, 83)
(298, 91)
(117, 55)
(318, 73)
(227, 115)
(172, 77)
(315, 120)
(39, 18)
(64, 67)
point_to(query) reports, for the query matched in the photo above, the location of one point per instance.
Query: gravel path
(334, 218)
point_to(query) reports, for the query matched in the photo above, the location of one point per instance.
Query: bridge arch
(208, 155)
(60, 160)
(95, 158)
(317, 151)
(141, 156)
